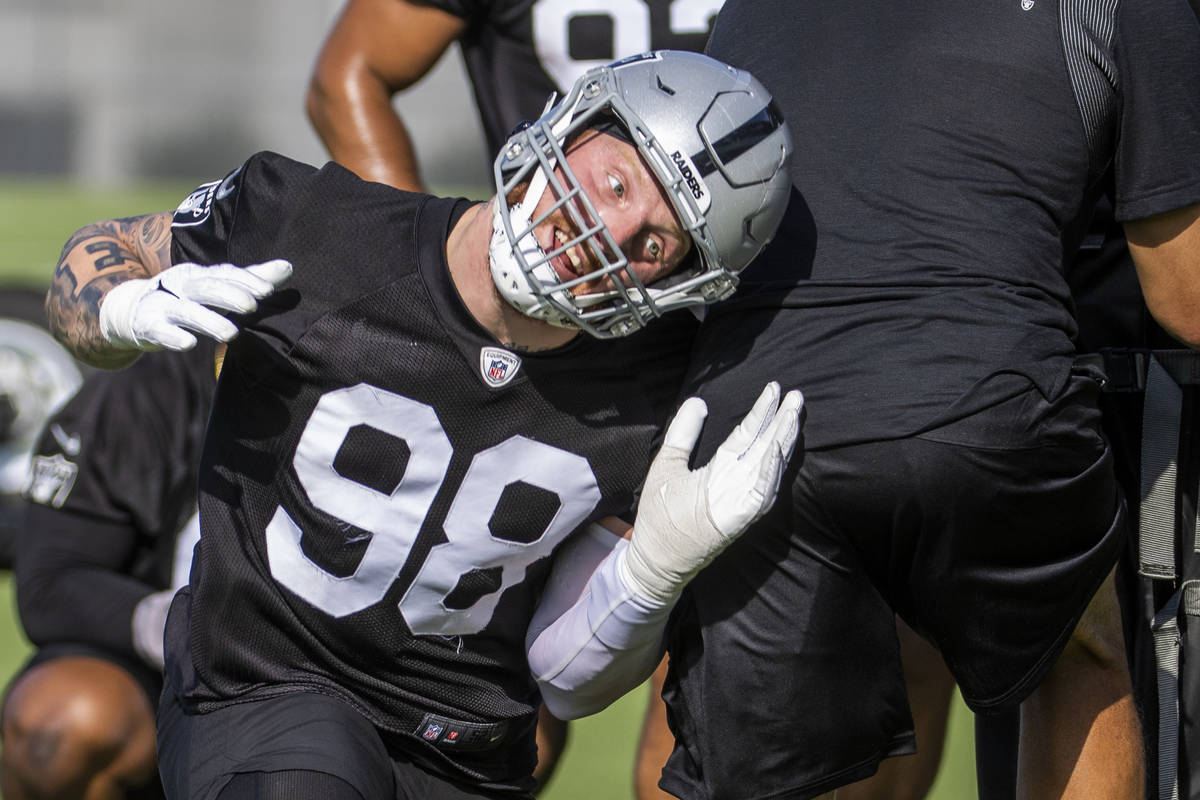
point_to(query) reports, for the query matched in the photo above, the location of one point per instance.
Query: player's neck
(467, 256)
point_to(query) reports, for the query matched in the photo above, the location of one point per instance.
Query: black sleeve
(340, 233)
(70, 583)
(1157, 163)
(254, 197)
(113, 481)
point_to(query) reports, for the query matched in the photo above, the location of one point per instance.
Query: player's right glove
(159, 312)
(687, 517)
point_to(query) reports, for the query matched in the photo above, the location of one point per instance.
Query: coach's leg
(551, 740)
(930, 687)
(655, 743)
(76, 727)
(1080, 735)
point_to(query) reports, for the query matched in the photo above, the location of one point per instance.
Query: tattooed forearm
(96, 258)
(75, 319)
(113, 247)
(154, 235)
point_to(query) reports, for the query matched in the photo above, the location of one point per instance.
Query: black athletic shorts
(988, 536)
(198, 754)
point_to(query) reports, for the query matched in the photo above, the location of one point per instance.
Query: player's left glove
(687, 516)
(160, 312)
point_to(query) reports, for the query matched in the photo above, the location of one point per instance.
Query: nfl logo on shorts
(498, 366)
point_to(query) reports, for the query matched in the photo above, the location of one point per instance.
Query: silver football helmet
(715, 143)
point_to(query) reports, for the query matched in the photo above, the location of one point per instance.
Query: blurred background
(111, 92)
(113, 108)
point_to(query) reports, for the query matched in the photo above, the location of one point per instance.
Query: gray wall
(113, 91)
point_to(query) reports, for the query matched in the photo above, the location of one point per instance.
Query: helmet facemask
(524, 271)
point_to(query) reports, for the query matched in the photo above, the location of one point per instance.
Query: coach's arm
(1166, 252)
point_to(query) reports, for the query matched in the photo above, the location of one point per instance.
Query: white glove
(687, 517)
(149, 624)
(156, 313)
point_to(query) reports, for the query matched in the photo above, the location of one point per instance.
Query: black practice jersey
(518, 52)
(383, 484)
(939, 191)
(112, 494)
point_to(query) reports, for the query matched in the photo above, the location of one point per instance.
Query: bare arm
(376, 49)
(96, 258)
(1166, 253)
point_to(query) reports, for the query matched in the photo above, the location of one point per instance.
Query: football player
(106, 538)
(379, 48)
(441, 395)
(517, 54)
(36, 377)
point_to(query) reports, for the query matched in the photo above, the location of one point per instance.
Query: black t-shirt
(112, 487)
(518, 52)
(383, 484)
(939, 185)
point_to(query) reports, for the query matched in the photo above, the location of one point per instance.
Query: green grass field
(37, 217)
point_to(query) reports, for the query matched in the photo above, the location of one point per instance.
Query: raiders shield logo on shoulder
(196, 207)
(498, 366)
(51, 479)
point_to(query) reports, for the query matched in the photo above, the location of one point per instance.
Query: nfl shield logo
(498, 366)
(432, 731)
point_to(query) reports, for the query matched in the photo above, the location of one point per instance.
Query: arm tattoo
(75, 320)
(154, 237)
(95, 259)
(111, 254)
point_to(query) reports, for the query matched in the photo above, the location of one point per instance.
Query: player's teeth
(572, 256)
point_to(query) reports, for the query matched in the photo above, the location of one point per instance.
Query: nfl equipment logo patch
(432, 731)
(497, 366)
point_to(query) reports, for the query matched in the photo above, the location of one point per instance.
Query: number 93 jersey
(382, 485)
(517, 52)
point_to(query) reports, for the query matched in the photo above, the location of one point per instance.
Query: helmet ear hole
(748, 232)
